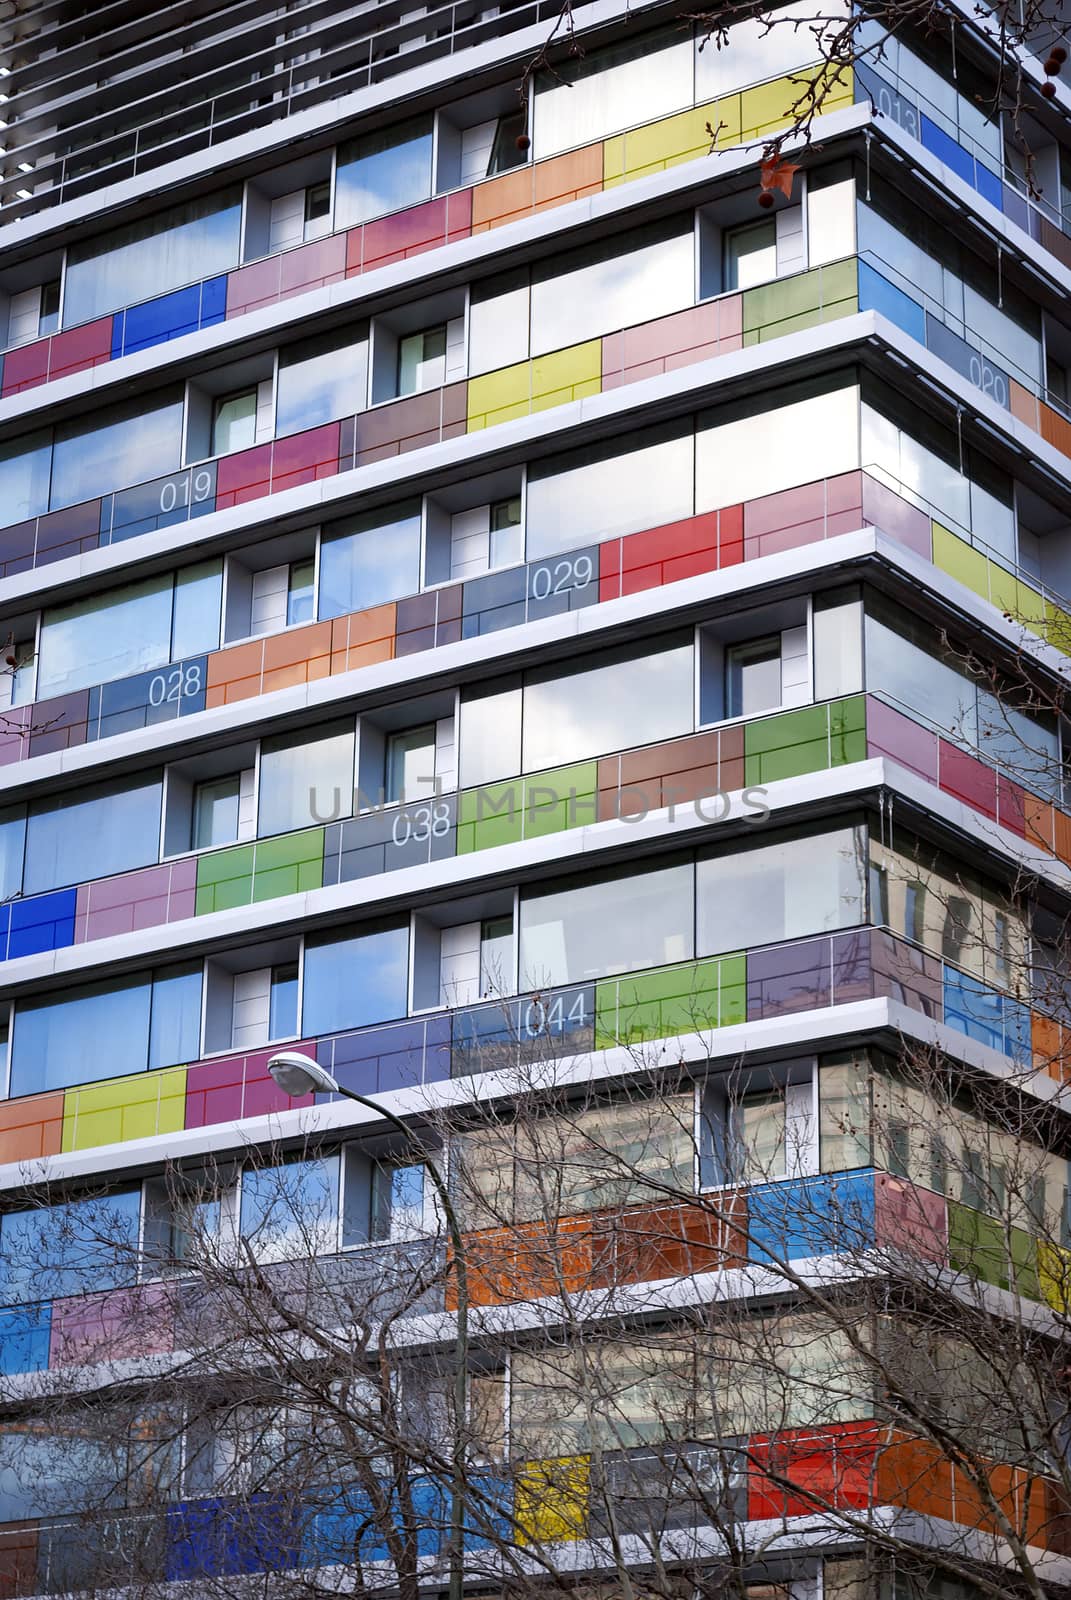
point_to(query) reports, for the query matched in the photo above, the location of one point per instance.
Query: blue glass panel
(988, 185)
(973, 1008)
(5, 930)
(945, 148)
(1017, 1040)
(213, 301)
(24, 1338)
(44, 922)
(149, 698)
(118, 334)
(383, 171)
(118, 822)
(876, 293)
(217, 1538)
(167, 317)
(810, 1217)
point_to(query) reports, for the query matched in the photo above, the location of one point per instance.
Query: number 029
(555, 578)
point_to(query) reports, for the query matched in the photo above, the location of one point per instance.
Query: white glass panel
(607, 495)
(612, 90)
(620, 924)
(787, 890)
(586, 713)
(630, 286)
(756, 53)
(777, 449)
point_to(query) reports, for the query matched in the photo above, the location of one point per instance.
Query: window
(411, 764)
(305, 776)
(496, 956)
(121, 819)
(507, 543)
(129, 630)
(321, 379)
(398, 1201)
(48, 320)
(755, 52)
(751, 255)
(788, 890)
(507, 150)
(234, 422)
(625, 700)
(25, 472)
(263, 1005)
(183, 1215)
(300, 592)
(317, 208)
(107, 1030)
(370, 559)
(62, 1250)
(355, 979)
(149, 257)
(215, 812)
(421, 360)
(618, 923)
(753, 677)
(384, 171)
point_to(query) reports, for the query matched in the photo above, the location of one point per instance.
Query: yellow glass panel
(552, 1499)
(125, 1108)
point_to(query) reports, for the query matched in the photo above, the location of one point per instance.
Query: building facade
(577, 653)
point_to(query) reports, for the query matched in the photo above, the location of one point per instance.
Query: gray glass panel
(354, 980)
(114, 827)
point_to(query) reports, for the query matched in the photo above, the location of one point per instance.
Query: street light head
(298, 1074)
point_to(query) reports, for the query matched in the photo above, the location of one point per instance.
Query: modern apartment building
(577, 654)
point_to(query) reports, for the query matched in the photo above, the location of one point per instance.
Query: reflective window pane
(596, 494)
(355, 979)
(98, 1030)
(753, 677)
(198, 598)
(304, 776)
(215, 812)
(148, 257)
(283, 1005)
(25, 473)
(775, 447)
(618, 923)
(601, 290)
(291, 1211)
(383, 171)
(117, 823)
(105, 637)
(320, 380)
(129, 447)
(422, 361)
(602, 92)
(300, 594)
(370, 559)
(411, 764)
(612, 705)
(234, 423)
(751, 256)
(175, 1025)
(12, 845)
(786, 890)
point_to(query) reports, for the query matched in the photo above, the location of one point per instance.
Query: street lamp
(298, 1074)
